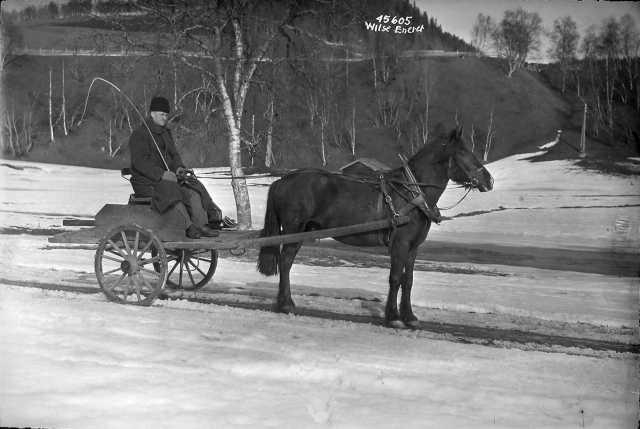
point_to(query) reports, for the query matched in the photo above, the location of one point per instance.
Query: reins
(459, 201)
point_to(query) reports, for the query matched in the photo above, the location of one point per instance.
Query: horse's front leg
(406, 312)
(398, 256)
(285, 303)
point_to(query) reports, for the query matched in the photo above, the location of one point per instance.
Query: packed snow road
(74, 360)
(549, 252)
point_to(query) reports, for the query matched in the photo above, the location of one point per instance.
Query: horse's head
(464, 167)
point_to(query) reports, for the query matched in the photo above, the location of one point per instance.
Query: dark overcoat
(147, 168)
(147, 165)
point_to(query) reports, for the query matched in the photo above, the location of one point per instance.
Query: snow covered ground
(71, 360)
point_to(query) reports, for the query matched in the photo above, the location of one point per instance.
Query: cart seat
(133, 198)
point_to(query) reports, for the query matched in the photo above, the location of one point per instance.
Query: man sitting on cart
(158, 172)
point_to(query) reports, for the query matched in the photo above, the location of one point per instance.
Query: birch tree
(516, 36)
(564, 44)
(10, 40)
(481, 32)
(232, 38)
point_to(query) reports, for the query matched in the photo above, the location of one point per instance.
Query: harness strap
(419, 199)
(388, 199)
(385, 239)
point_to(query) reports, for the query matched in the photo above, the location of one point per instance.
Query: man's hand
(180, 170)
(170, 176)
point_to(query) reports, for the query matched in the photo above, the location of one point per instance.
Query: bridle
(473, 181)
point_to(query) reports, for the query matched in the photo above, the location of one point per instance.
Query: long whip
(114, 86)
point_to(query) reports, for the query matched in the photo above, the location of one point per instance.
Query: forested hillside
(331, 85)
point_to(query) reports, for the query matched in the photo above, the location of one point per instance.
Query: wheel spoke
(126, 292)
(137, 286)
(173, 268)
(117, 249)
(199, 270)
(193, 282)
(117, 282)
(181, 271)
(136, 243)
(112, 271)
(208, 261)
(146, 247)
(112, 258)
(125, 241)
(146, 283)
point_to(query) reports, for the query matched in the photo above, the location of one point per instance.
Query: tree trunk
(64, 106)
(489, 140)
(353, 130)
(11, 143)
(19, 150)
(269, 149)
(583, 134)
(323, 124)
(238, 181)
(52, 139)
(3, 112)
(175, 81)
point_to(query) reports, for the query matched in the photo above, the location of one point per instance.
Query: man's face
(160, 118)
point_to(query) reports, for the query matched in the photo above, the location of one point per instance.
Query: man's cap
(160, 104)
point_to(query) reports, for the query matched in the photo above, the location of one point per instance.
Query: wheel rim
(190, 269)
(131, 265)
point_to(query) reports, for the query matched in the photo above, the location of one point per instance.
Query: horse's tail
(269, 257)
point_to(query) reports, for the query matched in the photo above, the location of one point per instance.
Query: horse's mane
(435, 147)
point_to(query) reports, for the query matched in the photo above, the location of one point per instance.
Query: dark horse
(306, 200)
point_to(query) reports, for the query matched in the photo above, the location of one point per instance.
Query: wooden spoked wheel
(131, 265)
(190, 269)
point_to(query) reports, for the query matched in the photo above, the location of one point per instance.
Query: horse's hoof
(396, 324)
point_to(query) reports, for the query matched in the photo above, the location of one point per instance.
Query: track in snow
(452, 332)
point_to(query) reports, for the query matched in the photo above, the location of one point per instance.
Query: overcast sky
(458, 16)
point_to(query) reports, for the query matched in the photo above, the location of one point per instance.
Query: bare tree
(481, 32)
(64, 105)
(517, 35)
(564, 44)
(630, 49)
(270, 114)
(352, 132)
(233, 37)
(490, 137)
(10, 41)
(610, 49)
(324, 121)
(51, 137)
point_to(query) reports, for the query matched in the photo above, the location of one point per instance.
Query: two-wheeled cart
(140, 252)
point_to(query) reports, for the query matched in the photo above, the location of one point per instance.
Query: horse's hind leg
(406, 312)
(284, 302)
